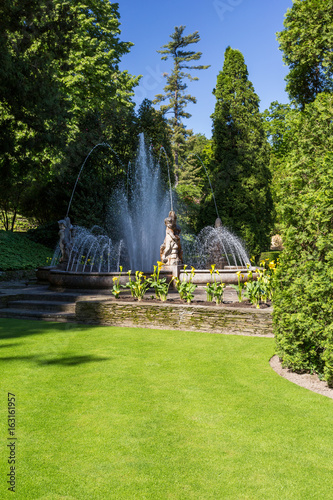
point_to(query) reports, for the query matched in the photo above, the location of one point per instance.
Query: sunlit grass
(125, 413)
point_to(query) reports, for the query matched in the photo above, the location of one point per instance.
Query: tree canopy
(240, 157)
(59, 65)
(307, 45)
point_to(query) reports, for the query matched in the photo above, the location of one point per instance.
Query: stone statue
(218, 223)
(171, 251)
(65, 241)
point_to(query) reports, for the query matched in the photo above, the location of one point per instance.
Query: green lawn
(145, 414)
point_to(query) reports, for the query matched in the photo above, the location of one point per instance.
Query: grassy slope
(18, 252)
(123, 413)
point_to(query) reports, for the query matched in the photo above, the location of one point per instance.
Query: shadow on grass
(10, 345)
(16, 328)
(71, 360)
(64, 361)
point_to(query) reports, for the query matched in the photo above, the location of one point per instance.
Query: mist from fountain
(138, 217)
(215, 245)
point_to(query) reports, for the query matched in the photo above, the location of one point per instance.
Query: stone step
(42, 305)
(58, 297)
(35, 314)
(48, 297)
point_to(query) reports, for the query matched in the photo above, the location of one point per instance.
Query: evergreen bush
(303, 305)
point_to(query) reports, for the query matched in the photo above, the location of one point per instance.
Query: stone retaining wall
(165, 316)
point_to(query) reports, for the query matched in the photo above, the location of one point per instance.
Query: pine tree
(239, 168)
(174, 91)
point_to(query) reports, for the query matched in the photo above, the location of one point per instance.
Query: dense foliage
(307, 43)
(240, 157)
(192, 180)
(18, 252)
(303, 312)
(61, 92)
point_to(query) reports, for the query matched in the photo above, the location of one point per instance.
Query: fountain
(133, 233)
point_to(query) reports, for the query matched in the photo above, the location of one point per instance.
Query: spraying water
(139, 217)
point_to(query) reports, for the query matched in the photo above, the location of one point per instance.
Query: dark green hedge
(303, 303)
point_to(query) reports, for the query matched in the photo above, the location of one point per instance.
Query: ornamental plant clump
(116, 284)
(240, 287)
(186, 287)
(214, 289)
(261, 290)
(139, 286)
(160, 285)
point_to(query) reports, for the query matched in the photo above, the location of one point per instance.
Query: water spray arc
(104, 144)
(167, 160)
(202, 163)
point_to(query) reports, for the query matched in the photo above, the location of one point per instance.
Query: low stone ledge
(176, 317)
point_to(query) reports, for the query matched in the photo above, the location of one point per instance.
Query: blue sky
(246, 25)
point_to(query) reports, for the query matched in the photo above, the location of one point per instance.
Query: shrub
(273, 255)
(303, 302)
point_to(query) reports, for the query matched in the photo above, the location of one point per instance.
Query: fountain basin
(90, 280)
(42, 273)
(59, 278)
(228, 276)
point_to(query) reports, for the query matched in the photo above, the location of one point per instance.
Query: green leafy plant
(186, 287)
(160, 285)
(116, 284)
(139, 286)
(214, 289)
(261, 289)
(240, 287)
(252, 292)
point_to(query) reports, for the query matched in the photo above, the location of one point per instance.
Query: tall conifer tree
(174, 91)
(240, 161)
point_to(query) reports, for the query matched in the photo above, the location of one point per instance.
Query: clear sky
(247, 25)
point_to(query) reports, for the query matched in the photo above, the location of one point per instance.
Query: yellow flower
(238, 273)
(121, 268)
(217, 272)
(115, 278)
(192, 269)
(272, 264)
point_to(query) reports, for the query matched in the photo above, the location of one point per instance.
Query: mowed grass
(124, 413)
